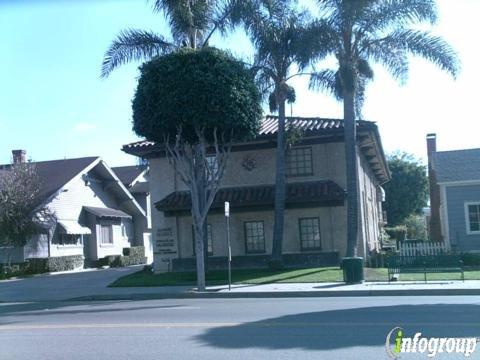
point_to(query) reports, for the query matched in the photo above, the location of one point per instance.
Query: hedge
(471, 259)
(131, 256)
(53, 264)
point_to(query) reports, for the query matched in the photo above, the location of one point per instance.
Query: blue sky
(54, 104)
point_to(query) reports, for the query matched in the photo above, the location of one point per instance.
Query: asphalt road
(295, 328)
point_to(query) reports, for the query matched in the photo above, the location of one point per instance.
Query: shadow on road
(70, 308)
(347, 328)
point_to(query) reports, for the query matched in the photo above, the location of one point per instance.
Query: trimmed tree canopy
(407, 192)
(196, 90)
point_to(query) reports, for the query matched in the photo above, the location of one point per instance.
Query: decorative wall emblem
(249, 163)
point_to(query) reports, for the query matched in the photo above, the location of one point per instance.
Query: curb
(279, 294)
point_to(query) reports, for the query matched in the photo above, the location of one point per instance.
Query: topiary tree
(195, 103)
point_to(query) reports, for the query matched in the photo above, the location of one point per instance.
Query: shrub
(13, 270)
(398, 232)
(53, 264)
(131, 256)
(471, 259)
(134, 255)
(416, 228)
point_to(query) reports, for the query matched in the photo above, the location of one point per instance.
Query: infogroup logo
(429, 346)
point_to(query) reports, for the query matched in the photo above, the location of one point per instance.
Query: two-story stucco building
(315, 216)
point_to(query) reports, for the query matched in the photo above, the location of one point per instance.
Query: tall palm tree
(192, 24)
(281, 39)
(361, 32)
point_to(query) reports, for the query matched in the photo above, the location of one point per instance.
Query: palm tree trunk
(280, 189)
(352, 173)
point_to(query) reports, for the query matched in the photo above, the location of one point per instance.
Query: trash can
(353, 270)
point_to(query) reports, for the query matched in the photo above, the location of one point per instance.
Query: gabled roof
(315, 193)
(128, 174)
(457, 165)
(55, 174)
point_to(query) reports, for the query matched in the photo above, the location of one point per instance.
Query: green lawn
(265, 276)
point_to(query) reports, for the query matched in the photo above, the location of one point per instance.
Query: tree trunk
(199, 257)
(198, 208)
(205, 245)
(280, 189)
(352, 173)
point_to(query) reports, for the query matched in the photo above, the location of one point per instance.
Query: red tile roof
(316, 193)
(269, 127)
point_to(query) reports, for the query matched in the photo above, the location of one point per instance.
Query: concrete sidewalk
(93, 285)
(406, 288)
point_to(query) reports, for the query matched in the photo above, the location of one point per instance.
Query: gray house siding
(457, 196)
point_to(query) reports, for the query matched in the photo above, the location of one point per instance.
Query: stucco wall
(368, 193)
(328, 164)
(332, 227)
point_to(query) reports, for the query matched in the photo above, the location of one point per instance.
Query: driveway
(55, 287)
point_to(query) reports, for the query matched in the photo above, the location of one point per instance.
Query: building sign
(165, 242)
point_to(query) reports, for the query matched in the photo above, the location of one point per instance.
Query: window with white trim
(254, 237)
(106, 234)
(473, 217)
(299, 162)
(310, 234)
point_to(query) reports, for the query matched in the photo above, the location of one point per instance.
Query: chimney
(19, 156)
(431, 144)
(435, 225)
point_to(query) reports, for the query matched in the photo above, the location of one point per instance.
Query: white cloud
(83, 127)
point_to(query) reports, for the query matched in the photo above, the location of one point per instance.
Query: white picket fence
(424, 248)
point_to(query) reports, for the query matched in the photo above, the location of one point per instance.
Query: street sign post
(227, 216)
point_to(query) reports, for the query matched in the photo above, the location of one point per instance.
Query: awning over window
(73, 227)
(106, 212)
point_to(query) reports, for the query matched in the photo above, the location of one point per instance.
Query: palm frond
(133, 45)
(393, 59)
(272, 102)
(291, 95)
(189, 20)
(328, 81)
(364, 69)
(317, 40)
(430, 47)
(224, 18)
(386, 13)
(360, 95)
